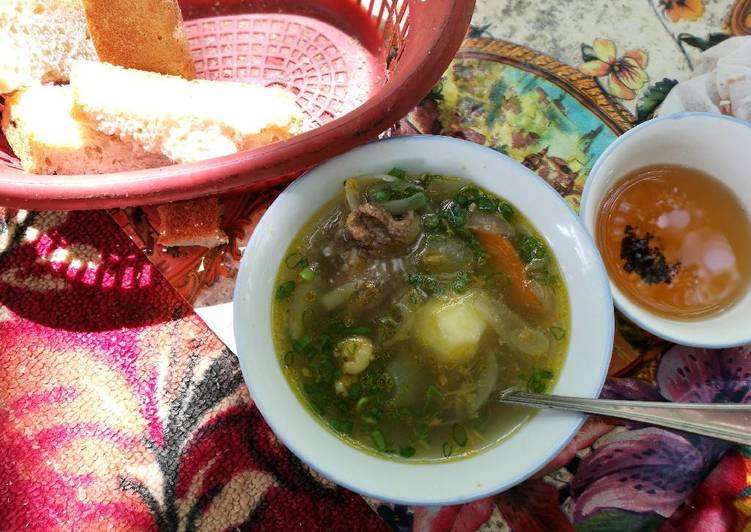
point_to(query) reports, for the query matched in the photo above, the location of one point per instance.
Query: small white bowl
(716, 144)
(436, 483)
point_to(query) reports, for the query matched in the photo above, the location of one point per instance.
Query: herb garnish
(538, 382)
(285, 290)
(647, 262)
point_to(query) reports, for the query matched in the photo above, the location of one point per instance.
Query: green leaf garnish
(381, 196)
(378, 440)
(461, 282)
(434, 392)
(485, 204)
(530, 249)
(447, 449)
(398, 172)
(539, 380)
(506, 210)
(558, 333)
(285, 290)
(301, 344)
(407, 452)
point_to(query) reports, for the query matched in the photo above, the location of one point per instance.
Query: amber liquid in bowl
(676, 241)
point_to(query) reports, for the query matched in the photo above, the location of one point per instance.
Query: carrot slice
(505, 259)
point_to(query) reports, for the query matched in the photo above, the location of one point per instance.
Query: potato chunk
(450, 330)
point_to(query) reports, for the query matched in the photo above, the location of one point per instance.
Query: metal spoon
(730, 422)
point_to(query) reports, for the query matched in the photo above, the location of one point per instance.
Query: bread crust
(141, 34)
(191, 223)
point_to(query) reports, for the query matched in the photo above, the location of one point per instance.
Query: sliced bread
(38, 125)
(184, 120)
(149, 35)
(39, 39)
(191, 223)
(141, 34)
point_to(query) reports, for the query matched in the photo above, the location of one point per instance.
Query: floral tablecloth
(122, 410)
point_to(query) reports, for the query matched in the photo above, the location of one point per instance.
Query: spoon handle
(730, 422)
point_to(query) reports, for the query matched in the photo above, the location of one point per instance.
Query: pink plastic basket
(356, 66)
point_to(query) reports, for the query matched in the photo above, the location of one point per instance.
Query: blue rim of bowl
(539, 464)
(586, 207)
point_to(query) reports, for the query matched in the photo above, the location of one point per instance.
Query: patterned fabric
(121, 410)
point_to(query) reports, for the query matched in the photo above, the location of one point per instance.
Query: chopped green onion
(485, 204)
(361, 403)
(307, 274)
(367, 380)
(301, 344)
(296, 260)
(431, 221)
(376, 412)
(424, 180)
(425, 282)
(558, 333)
(309, 352)
(397, 172)
(378, 440)
(538, 382)
(381, 196)
(461, 282)
(356, 330)
(319, 362)
(342, 425)
(467, 196)
(285, 290)
(355, 390)
(423, 432)
(434, 392)
(447, 449)
(459, 433)
(530, 249)
(506, 210)
(407, 452)
(455, 215)
(310, 388)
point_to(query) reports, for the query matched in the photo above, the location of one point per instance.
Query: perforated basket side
(410, 41)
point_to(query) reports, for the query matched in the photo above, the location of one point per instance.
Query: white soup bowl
(717, 145)
(439, 482)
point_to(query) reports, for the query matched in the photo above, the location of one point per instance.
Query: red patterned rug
(120, 410)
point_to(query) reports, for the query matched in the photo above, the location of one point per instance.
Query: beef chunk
(372, 227)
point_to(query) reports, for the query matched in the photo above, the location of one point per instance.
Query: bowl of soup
(388, 296)
(669, 206)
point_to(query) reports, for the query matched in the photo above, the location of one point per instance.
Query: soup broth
(676, 240)
(406, 303)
